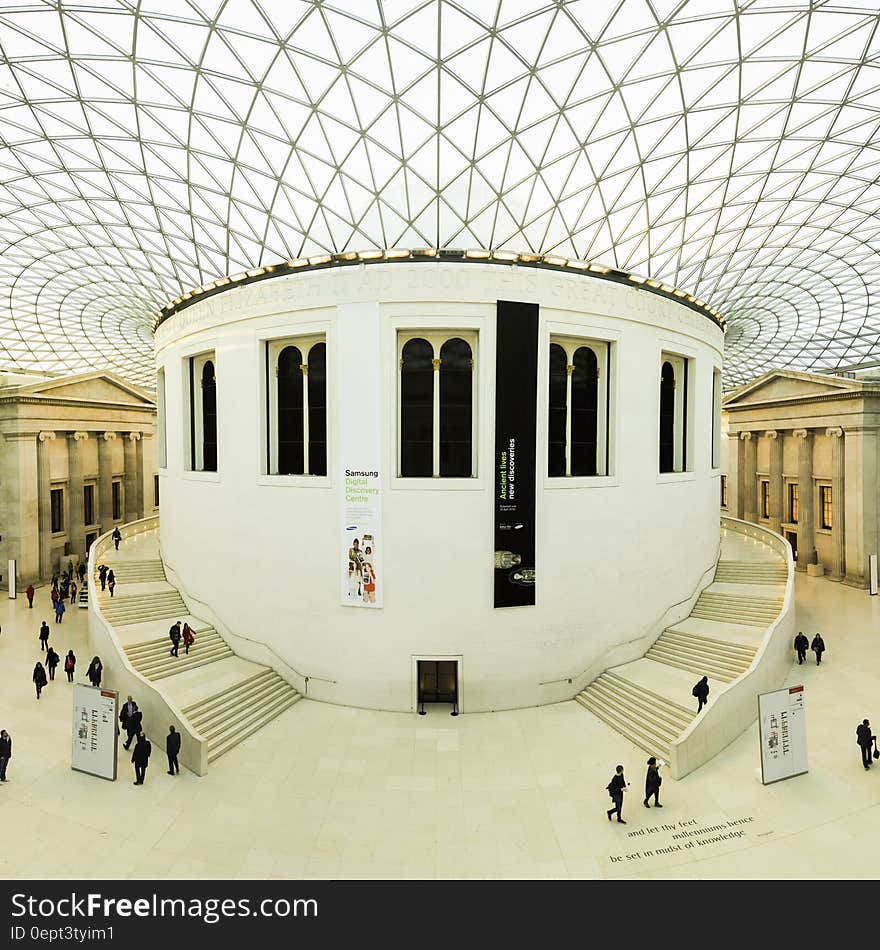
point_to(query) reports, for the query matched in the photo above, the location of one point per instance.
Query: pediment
(94, 387)
(783, 385)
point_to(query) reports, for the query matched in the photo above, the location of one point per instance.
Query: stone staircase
(719, 640)
(144, 604)
(231, 715)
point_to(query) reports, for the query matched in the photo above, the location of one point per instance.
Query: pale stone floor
(334, 792)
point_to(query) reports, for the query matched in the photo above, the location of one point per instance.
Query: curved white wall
(612, 552)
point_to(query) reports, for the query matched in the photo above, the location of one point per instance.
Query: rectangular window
(579, 389)
(160, 421)
(793, 502)
(765, 499)
(57, 506)
(155, 491)
(88, 504)
(201, 390)
(117, 506)
(825, 505)
(437, 396)
(723, 491)
(716, 418)
(676, 413)
(296, 396)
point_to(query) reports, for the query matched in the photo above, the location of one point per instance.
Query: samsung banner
(782, 723)
(516, 397)
(94, 731)
(359, 551)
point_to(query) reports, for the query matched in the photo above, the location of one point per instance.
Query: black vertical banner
(516, 407)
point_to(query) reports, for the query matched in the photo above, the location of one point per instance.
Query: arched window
(584, 404)
(667, 417)
(317, 396)
(557, 423)
(417, 409)
(290, 412)
(456, 403)
(578, 407)
(209, 418)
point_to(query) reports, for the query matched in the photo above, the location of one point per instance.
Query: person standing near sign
(801, 643)
(39, 678)
(818, 647)
(616, 787)
(865, 740)
(5, 752)
(141, 758)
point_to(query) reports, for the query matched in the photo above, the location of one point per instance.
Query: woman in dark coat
(701, 691)
(69, 665)
(52, 661)
(94, 671)
(39, 678)
(653, 782)
(818, 647)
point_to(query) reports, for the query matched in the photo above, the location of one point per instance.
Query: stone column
(748, 476)
(734, 467)
(837, 568)
(76, 534)
(776, 499)
(20, 483)
(134, 476)
(806, 514)
(44, 502)
(105, 480)
(860, 499)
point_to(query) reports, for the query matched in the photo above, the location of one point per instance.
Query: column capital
(835, 432)
(134, 436)
(745, 436)
(78, 436)
(46, 436)
(801, 433)
(771, 434)
(108, 436)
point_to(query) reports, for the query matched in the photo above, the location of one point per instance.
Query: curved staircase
(649, 700)
(223, 697)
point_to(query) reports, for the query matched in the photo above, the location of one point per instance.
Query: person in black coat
(117, 537)
(102, 576)
(818, 647)
(52, 661)
(141, 758)
(801, 643)
(174, 634)
(653, 781)
(865, 739)
(130, 717)
(172, 748)
(701, 691)
(616, 787)
(5, 752)
(94, 671)
(39, 678)
(70, 665)
(44, 636)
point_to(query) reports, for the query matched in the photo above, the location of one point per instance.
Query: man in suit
(125, 714)
(865, 739)
(801, 643)
(141, 757)
(172, 747)
(133, 726)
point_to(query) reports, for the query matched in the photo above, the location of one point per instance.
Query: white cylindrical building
(324, 405)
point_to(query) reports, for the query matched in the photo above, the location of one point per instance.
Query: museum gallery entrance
(437, 683)
(791, 537)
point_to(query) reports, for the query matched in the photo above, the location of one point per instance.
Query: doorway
(437, 682)
(791, 537)
(90, 539)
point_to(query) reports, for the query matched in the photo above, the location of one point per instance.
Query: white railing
(733, 708)
(158, 711)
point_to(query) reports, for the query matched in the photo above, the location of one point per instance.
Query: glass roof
(151, 146)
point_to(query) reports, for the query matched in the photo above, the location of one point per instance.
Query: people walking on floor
(172, 748)
(616, 787)
(865, 739)
(174, 635)
(44, 636)
(54, 595)
(59, 611)
(52, 661)
(96, 668)
(141, 758)
(653, 781)
(801, 643)
(39, 678)
(70, 665)
(117, 537)
(130, 724)
(29, 593)
(102, 576)
(818, 647)
(189, 638)
(111, 583)
(81, 570)
(5, 752)
(701, 691)
(72, 594)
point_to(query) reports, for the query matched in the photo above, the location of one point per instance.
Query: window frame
(684, 368)
(155, 489)
(794, 504)
(117, 506)
(193, 365)
(724, 497)
(161, 419)
(764, 497)
(56, 510)
(92, 488)
(436, 337)
(717, 396)
(602, 350)
(825, 525)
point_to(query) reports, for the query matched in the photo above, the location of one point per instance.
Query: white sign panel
(359, 550)
(11, 575)
(94, 731)
(872, 572)
(782, 720)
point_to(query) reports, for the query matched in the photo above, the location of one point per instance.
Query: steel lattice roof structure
(730, 149)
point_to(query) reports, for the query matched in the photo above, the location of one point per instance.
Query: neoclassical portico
(802, 459)
(77, 457)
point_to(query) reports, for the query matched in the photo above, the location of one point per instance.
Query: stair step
(629, 709)
(156, 670)
(643, 739)
(192, 665)
(674, 715)
(701, 669)
(223, 745)
(735, 661)
(161, 644)
(629, 684)
(223, 723)
(714, 615)
(710, 642)
(205, 708)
